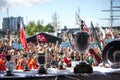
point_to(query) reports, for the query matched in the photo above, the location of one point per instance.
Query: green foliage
(49, 28)
(33, 27)
(39, 27)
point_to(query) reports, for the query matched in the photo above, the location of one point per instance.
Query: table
(99, 73)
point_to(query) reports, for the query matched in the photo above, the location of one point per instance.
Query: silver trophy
(81, 44)
(111, 54)
(9, 66)
(26, 68)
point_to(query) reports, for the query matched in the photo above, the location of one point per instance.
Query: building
(11, 24)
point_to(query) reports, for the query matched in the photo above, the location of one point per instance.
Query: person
(95, 56)
(32, 63)
(90, 59)
(20, 64)
(54, 63)
(2, 64)
(67, 59)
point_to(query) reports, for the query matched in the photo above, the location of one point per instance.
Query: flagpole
(8, 30)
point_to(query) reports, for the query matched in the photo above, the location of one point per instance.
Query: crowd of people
(54, 54)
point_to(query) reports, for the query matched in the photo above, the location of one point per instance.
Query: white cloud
(14, 3)
(3, 3)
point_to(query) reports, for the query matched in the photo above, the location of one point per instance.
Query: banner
(40, 38)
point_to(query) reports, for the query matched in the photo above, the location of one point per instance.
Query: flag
(40, 38)
(101, 33)
(85, 28)
(91, 39)
(94, 34)
(110, 33)
(80, 22)
(78, 19)
(96, 56)
(22, 36)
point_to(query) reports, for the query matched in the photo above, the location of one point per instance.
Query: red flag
(22, 37)
(85, 28)
(91, 39)
(96, 56)
(40, 38)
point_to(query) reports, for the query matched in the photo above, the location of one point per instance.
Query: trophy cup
(61, 63)
(111, 54)
(9, 66)
(81, 43)
(42, 61)
(26, 68)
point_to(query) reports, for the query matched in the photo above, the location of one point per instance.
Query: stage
(99, 73)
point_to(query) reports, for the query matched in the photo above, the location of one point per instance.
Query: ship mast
(111, 13)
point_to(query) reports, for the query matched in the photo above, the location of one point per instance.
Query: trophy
(111, 54)
(9, 66)
(81, 44)
(61, 63)
(26, 68)
(42, 60)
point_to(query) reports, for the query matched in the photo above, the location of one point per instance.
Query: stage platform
(99, 73)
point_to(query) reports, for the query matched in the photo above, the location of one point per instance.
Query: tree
(30, 28)
(39, 27)
(49, 28)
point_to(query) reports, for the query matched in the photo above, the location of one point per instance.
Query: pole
(8, 30)
(111, 14)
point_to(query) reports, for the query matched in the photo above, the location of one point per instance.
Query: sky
(34, 10)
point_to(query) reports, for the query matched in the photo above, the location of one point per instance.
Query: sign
(17, 46)
(66, 44)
